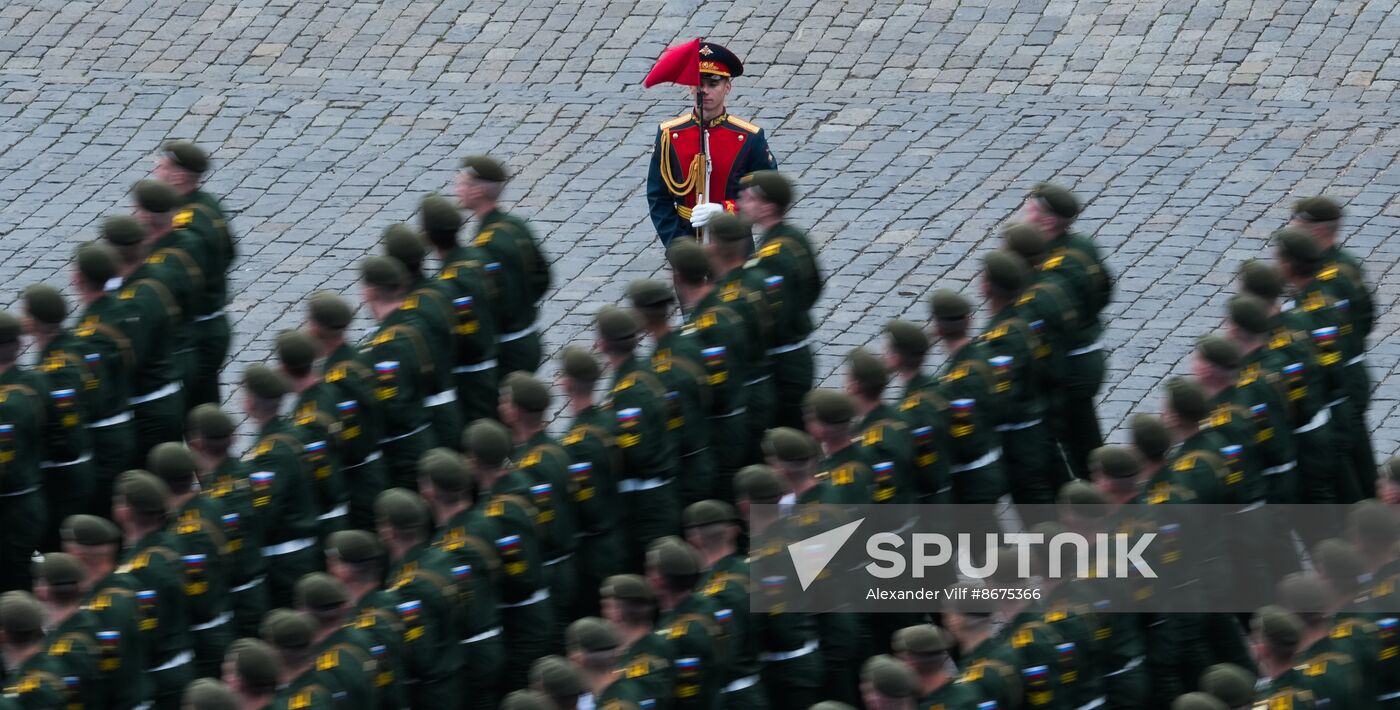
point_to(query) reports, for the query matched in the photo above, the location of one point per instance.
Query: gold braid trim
(679, 189)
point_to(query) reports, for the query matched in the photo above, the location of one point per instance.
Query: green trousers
(793, 373)
(365, 481)
(1074, 420)
(211, 343)
(528, 629)
(157, 422)
(520, 354)
(648, 515)
(401, 458)
(24, 518)
(478, 394)
(482, 662)
(113, 451)
(68, 489)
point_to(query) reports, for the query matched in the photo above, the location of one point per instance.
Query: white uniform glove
(702, 213)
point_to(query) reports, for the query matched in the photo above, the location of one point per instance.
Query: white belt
(632, 485)
(396, 437)
(175, 661)
(161, 393)
(782, 349)
(1281, 468)
(1388, 696)
(441, 398)
(696, 452)
(23, 492)
(557, 560)
(1323, 416)
(487, 634)
(507, 337)
(757, 380)
(1256, 505)
(1095, 703)
(1018, 426)
(61, 464)
(249, 584)
(288, 547)
(371, 458)
(739, 684)
(539, 596)
(986, 459)
(731, 413)
(1354, 361)
(1091, 347)
(774, 656)
(1337, 402)
(209, 316)
(1132, 663)
(340, 510)
(482, 366)
(122, 418)
(213, 623)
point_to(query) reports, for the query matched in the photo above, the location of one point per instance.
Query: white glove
(702, 213)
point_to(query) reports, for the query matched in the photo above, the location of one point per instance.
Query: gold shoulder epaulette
(743, 124)
(676, 122)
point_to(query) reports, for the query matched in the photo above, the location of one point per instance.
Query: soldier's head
(355, 558)
(21, 625)
(578, 373)
(1319, 216)
(480, 182)
(523, 401)
(60, 579)
(1275, 633)
(155, 203)
(1050, 207)
(1185, 407)
(208, 694)
(673, 567)
(44, 311)
(1229, 683)
(401, 519)
(618, 332)
(764, 197)
(1307, 595)
(717, 66)
(627, 601)
(1025, 240)
(1298, 253)
(1248, 322)
(762, 486)
(558, 679)
(403, 245)
(1197, 700)
(296, 353)
(830, 417)
(792, 453)
(1151, 438)
(711, 526)
(1375, 529)
(1004, 277)
(324, 597)
(384, 283)
(181, 165)
(654, 301)
(1116, 470)
(950, 313)
(92, 540)
(10, 330)
(175, 464)
(888, 684)
(488, 447)
(1260, 278)
(1216, 362)
(906, 346)
(94, 264)
(264, 389)
(127, 237)
(252, 668)
(690, 268)
(731, 238)
(441, 222)
(445, 482)
(327, 317)
(140, 503)
(924, 647)
(292, 634)
(209, 431)
(593, 645)
(1340, 563)
(866, 377)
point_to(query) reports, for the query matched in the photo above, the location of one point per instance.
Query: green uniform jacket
(955, 695)
(886, 446)
(475, 303)
(995, 669)
(280, 484)
(926, 413)
(727, 586)
(198, 528)
(153, 325)
(680, 365)
(844, 478)
(1043, 661)
(73, 398)
(597, 460)
(403, 373)
(647, 662)
(73, 644)
(154, 561)
(638, 405)
(786, 252)
(550, 488)
(468, 539)
(210, 222)
(316, 422)
(375, 616)
(105, 346)
(698, 645)
(520, 270)
(239, 520)
(1096, 286)
(121, 640)
(346, 656)
(969, 386)
(48, 682)
(428, 611)
(22, 420)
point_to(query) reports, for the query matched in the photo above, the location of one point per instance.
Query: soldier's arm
(395, 367)
(668, 223)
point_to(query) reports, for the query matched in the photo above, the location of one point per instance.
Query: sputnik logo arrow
(810, 556)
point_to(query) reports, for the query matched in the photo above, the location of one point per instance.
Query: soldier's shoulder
(677, 122)
(742, 124)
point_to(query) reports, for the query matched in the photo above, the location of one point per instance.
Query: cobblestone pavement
(912, 129)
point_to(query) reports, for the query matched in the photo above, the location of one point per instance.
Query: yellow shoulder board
(183, 218)
(482, 239)
(770, 249)
(1053, 262)
(1185, 463)
(1328, 273)
(301, 700)
(743, 124)
(336, 374)
(677, 121)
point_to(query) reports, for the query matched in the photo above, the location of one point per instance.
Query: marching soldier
(924, 648)
(594, 648)
(752, 294)
(924, 410)
(72, 630)
(303, 683)
(344, 648)
(887, 683)
(282, 489)
(36, 679)
(686, 619)
(208, 694)
(521, 271)
(253, 671)
(182, 165)
(112, 597)
(69, 381)
(403, 369)
(831, 422)
(559, 680)
(355, 559)
(466, 282)
(316, 420)
(785, 251)
(882, 437)
(733, 147)
(22, 421)
(1282, 683)
(630, 606)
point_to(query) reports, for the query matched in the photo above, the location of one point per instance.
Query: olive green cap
(557, 678)
(645, 293)
(1078, 493)
(1025, 240)
(789, 444)
(1219, 351)
(1298, 245)
(20, 613)
(439, 215)
(867, 368)
(1057, 199)
(97, 262)
(759, 484)
(1262, 279)
(831, 705)
(890, 677)
(208, 694)
(921, 639)
(1005, 271)
(770, 185)
(1197, 700)
(673, 557)
(527, 700)
(1232, 684)
(1317, 209)
(123, 230)
(210, 422)
(329, 310)
(1391, 469)
(446, 469)
(617, 324)
(485, 168)
(708, 512)
(288, 630)
(61, 569)
(174, 464)
(1304, 593)
(403, 245)
(1116, 461)
(187, 155)
(579, 364)
(689, 259)
(488, 441)
(383, 272)
(1340, 562)
(630, 587)
(10, 328)
(401, 509)
(909, 339)
(591, 634)
(89, 531)
(155, 196)
(1150, 436)
(830, 406)
(256, 663)
(1250, 313)
(1188, 398)
(296, 350)
(946, 304)
(45, 304)
(319, 591)
(143, 492)
(265, 382)
(1374, 524)
(354, 546)
(527, 392)
(1279, 627)
(730, 228)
